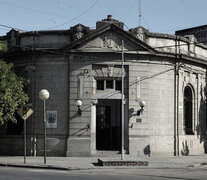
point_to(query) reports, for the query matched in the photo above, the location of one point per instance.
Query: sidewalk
(86, 163)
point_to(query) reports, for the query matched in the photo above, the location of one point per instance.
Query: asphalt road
(7, 173)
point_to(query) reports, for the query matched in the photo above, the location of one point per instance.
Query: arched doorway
(188, 110)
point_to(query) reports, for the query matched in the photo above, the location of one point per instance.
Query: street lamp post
(44, 95)
(25, 141)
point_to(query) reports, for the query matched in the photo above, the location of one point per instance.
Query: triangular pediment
(108, 39)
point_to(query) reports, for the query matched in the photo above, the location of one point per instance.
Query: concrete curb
(52, 167)
(36, 166)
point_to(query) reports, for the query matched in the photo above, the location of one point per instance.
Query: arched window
(188, 110)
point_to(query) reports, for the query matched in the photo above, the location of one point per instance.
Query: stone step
(118, 162)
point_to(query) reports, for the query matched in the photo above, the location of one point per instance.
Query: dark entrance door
(108, 125)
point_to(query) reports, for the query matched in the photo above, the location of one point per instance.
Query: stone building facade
(199, 32)
(168, 72)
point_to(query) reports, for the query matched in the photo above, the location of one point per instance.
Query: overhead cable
(75, 17)
(34, 10)
(10, 27)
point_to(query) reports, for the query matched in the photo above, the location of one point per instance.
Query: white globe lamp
(79, 103)
(142, 104)
(44, 94)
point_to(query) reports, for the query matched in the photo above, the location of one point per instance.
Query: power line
(76, 16)
(146, 23)
(34, 10)
(3, 29)
(126, 26)
(10, 27)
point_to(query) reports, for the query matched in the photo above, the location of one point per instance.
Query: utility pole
(123, 102)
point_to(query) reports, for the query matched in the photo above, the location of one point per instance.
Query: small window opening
(109, 84)
(100, 85)
(118, 85)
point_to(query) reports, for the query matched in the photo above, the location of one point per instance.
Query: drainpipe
(122, 109)
(33, 101)
(177, 110)
(177, 51)
(176, 101)
(196, 117)
(175, 92)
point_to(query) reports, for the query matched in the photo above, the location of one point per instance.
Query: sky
(161, 16)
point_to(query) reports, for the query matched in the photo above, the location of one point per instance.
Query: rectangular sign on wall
(51, 118)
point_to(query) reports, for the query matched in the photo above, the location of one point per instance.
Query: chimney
(109, 20)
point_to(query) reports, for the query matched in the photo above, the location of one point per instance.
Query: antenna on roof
(140, 13)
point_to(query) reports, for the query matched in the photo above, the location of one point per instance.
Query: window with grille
(114, 84)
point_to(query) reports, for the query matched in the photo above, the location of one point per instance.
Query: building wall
(178, 45)
(38, 40)
(199, 32)
(81, 87)
(149, 79)
(48, 72)
(52, 74)
(195, 78)
(152, 132)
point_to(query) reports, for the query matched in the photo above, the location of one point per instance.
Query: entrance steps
(108, 154)
(117, 162)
